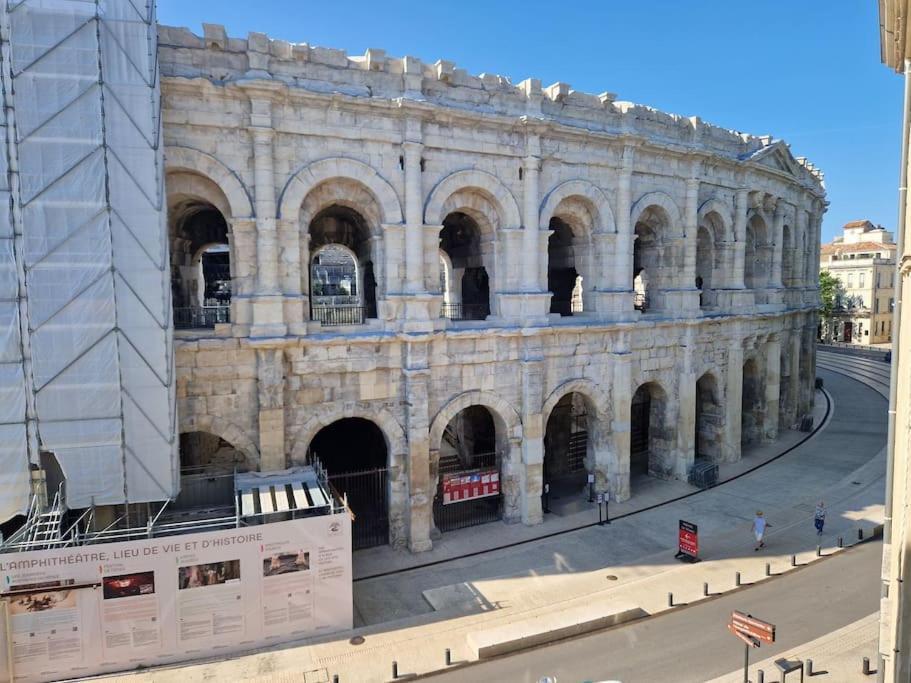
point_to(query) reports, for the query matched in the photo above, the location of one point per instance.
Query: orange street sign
(746, 623)
(749, 640)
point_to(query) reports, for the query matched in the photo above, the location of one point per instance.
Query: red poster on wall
(462, 486)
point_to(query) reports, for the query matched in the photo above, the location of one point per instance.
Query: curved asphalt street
(692, 644)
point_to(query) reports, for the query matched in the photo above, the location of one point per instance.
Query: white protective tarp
(93, 247)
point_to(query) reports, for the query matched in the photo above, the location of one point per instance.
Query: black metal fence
(368, 500)
(339, 315)
(466, 513)
(201, 317)
(465, 311)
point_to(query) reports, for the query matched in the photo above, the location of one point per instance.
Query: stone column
(421, 487)
(623, 259)
(733, 397)
(794, 379)
(531, 199)
(304, 244)
(740, 234)
(414, 218)
(270, 378)
(622, 396)
(772, 388)
(532, 431)
(778, 245)
(267, 305)
(289, 239)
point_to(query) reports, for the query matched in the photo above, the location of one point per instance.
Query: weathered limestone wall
(271, 134)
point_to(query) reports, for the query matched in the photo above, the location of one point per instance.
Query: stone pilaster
(291, 275)
(414, 215)
(622, 397)
(733, 397)
(794, 378)
(740, 235)
(772, 388)
(270, 391)
(421, 487)
(531, 199)
(267, 302)
(686, 417)
(778, 244)
(691, 231)
(623, 264)
(532, 432)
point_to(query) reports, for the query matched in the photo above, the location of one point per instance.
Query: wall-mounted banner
(82, 611)
(462, 486)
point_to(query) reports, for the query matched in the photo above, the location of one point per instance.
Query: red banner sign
(756, 628)
(749, 640)
(462, 486)
(688, 539)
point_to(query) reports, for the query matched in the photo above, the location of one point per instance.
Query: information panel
(93, 609)
(462, 486)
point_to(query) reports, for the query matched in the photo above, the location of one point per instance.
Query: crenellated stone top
(221, 59)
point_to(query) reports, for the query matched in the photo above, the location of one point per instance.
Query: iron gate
(466, 513)
(367, 498)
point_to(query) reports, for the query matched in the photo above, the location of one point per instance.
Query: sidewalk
(839, 654)
(629, 562)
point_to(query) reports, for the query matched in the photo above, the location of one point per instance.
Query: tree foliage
(831, 292)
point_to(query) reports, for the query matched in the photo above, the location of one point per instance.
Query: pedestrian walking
(759, 527)
(819, 517)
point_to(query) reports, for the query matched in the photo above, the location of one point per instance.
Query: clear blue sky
(807, 71)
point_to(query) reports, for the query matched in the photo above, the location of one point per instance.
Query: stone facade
(294, 144)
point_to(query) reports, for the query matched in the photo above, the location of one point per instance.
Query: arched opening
(563, 280)
(342, 280)
(705, 265)
(355, 454)
(468, 476)
(568, 451)
(653, 259)
(207, 466)
(200, 263)
(709, 419)
(751, 411)
(461, 240)
(757, 253)
(651, 435)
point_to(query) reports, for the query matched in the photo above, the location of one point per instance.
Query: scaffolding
(86, 361)
(254, 498)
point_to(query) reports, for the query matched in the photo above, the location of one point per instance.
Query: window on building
(878, 279)
(850, 280)
(876, 305)
(891, 305)
(860, 280)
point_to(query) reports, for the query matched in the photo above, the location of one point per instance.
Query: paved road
(693, 643)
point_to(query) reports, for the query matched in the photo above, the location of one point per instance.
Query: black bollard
(841, 542)
(760, 676)
(705, 590)
(809, 667)
(793, 560)
(395, 669)
(860, 534)
(670, 599)
(448, 657)
(768, 569)
(866, 667)
(737, 579)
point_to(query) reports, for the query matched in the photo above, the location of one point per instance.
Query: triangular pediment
(777, 156)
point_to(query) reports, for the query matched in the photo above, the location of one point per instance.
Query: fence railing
(201, 317)
(339, 315)
(881, 354)
(640, 301)
(465, 311)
